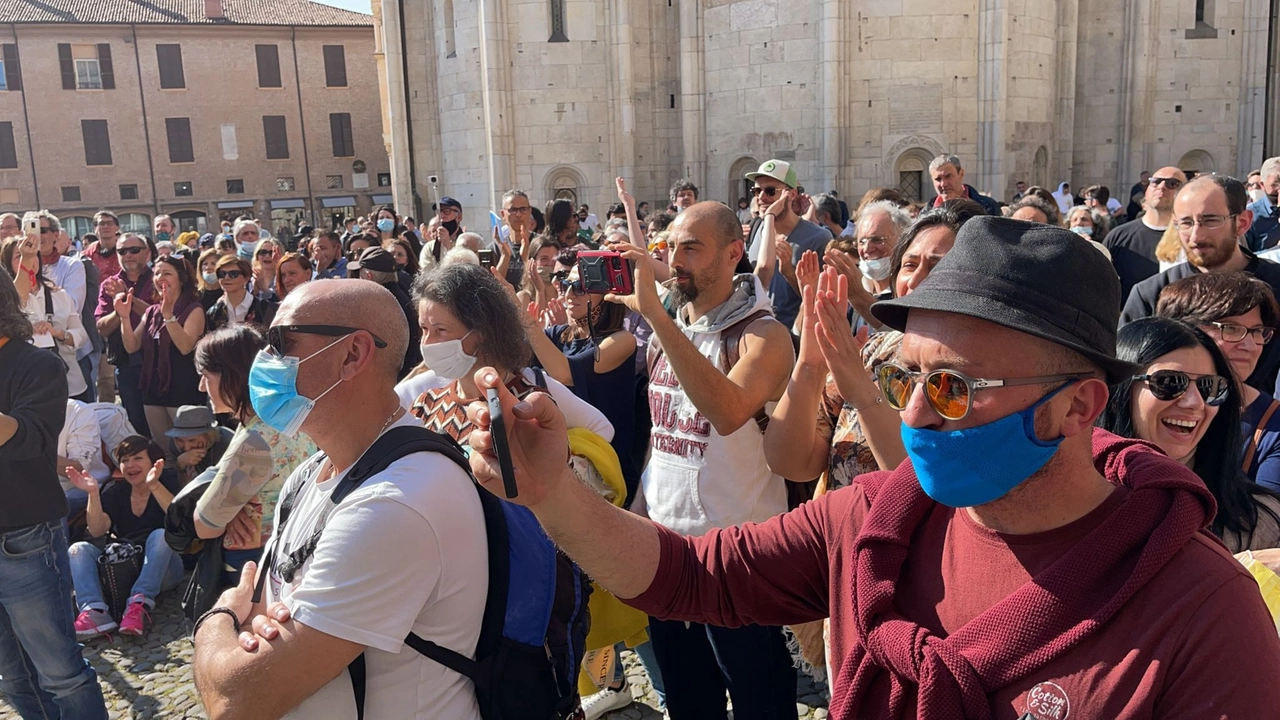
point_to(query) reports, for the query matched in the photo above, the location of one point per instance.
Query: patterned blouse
(838, 422)
(444, 410)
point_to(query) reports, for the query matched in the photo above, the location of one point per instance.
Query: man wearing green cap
(774, 178)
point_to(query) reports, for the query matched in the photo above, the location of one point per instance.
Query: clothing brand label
(1048, 701)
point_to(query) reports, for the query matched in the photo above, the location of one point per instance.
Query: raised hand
(168, 298)
(114, 286)
(123, 304)
(810, 354)
(644, 296)
(808, 270)
(624, 197)
(781, 204)
(84, 481)
(153, 475)
(841, 349)
(784, 250)
(536, 436)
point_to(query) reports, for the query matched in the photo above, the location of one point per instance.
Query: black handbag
(118, 569)
(206, 581)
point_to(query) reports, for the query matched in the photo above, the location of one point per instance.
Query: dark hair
(952, 214)
(13, 321)
(1208, 297)
(411, 258)
(539, 220)
(241, 264)
(332, 237)
(1048, 209)
(1101, 193)
(228, 353)
(683, 184)
(1233, 189)
(358, 237)
(106, 214)
(660, 221)
(1217, 460)
(186, 275)
(558, 213)
(9, 248)
(567, 256)
(829, 206)
(617, 209)
(480, 302)
(389, 208)
(135, 444)
(1041, 193)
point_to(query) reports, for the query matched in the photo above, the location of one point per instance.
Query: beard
(683, 295)
(1207, 258)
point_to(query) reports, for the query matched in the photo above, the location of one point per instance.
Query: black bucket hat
(1036, 279)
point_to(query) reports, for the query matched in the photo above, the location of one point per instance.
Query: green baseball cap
(779, 170)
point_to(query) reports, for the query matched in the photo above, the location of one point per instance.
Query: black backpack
(528, 654)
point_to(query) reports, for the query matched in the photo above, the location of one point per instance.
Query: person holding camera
(42, 671)
(133, 512)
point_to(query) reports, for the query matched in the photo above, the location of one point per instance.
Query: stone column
(622, 108)
(693, 109)
(1252, 129)
(1065, 118)
(397, 112)
(834, 107)
(495, 91)
(992, 72)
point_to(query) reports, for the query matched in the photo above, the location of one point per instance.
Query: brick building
(201, 109)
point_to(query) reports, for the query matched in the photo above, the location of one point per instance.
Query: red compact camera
(603, 271)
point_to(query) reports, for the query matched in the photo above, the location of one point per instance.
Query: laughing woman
(1183, 400)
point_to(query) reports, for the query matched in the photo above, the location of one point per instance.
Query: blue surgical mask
(273, 390)
(1083, 230)
(974, 466)
(386, 225)
(163, 236)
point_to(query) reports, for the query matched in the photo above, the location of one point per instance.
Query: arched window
(1040, 168)
(135, 223)
(912, 169)
(1197, 162)
(739, 185)
(564, 182)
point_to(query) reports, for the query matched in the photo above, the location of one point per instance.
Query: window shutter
(8, 153)
(179, 132)
(68, 66)
(268, 66)
(97, 142)
(335, 66)
(105, 67)
(340, 130)
(12, 71)
(273, 129)
(169, 59)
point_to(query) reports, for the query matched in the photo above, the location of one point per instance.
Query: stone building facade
(558, 96)
(204, 110)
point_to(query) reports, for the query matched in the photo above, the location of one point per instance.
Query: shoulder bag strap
(1252, 449)
(731, 353)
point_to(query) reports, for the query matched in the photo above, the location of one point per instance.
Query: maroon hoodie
(1103, 618)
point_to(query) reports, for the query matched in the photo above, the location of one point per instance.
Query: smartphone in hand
(498, 429)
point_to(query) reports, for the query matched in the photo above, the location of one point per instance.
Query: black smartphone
(487, 259)
(498, 429)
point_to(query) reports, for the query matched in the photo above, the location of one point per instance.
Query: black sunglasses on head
(276, 335)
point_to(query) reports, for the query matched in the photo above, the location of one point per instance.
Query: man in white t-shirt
(381, 568)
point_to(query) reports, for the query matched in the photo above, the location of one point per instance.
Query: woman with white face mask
(470, 320)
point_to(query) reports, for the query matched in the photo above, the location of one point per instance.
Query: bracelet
(212, 612)
(772, 215)
(170, 320)
(879, 401)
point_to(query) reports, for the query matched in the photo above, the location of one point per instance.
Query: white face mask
(1084, 230)
(447, 359)
(877, 269)
(1256, 194)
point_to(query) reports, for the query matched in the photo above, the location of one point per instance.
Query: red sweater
(1195, 642)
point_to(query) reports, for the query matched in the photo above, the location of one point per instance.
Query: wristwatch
(170, 320)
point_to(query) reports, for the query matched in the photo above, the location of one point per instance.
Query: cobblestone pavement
(150, 677)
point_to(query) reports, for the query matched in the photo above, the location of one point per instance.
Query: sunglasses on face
(1173, 384)
(766, 191)
(949, 392)
(1171, 183)
(1232, 332)
(130, 250)
(230, 275)
(265, 254)
(47, 230)
(575, 286)
(277, 344)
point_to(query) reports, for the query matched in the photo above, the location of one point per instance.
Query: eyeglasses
(1208, 222)
(948, 391)
(1173, 384)
(1231, 332)
(518, 210)
(576, 287)
(766, 191)
(1171, 183)
(230, 275)
(871, 240)
(130, 250)
(276, 335)
(656, 245)
(265, 253)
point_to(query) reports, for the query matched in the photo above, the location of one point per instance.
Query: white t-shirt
(578, 413)
(406, 551)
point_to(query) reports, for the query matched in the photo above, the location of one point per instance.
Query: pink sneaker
(92, 623)
(135, 617)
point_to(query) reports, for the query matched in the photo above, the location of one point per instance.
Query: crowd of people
(750, 468)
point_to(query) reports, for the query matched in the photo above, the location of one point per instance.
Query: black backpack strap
(539, 378)
(48, 299)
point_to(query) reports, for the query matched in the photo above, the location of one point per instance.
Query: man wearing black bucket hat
(1019, 563)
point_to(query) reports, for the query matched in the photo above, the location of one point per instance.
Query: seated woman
(594, 356)
(197, 442)
(132, 511)
(237, 304)
(1184, 401)
(469, 321)
(293, 270)
(239, 505)
(1240, 313)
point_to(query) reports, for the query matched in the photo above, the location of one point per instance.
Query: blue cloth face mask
(163, 236)
(273, 390)
(386, 224)
(974, 466)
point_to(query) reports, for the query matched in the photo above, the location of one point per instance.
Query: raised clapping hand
(783, 250)
(153, 475)
(849, 268)
(123, 304)
(808, 270)
(168, 298)
(839, 346)
(83, 481)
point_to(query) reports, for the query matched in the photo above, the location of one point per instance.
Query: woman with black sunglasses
(1182, 399)
(237, 304)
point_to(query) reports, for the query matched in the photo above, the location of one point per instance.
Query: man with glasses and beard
(1133, 244)
(712, 372)
(1020, 563)
(135, 275)
(1212, 219)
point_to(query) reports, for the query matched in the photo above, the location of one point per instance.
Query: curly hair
(480, 302)
(13, 322)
